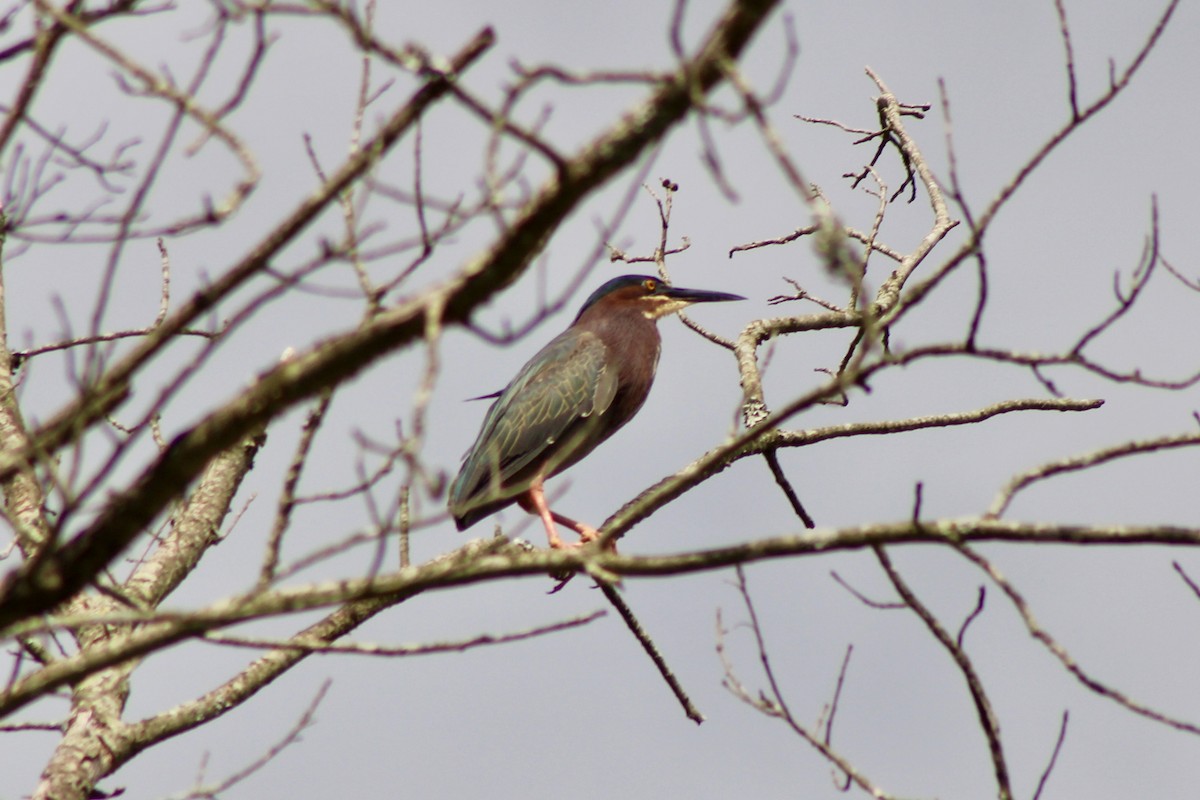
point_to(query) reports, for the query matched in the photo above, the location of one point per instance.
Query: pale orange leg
(587, 533)
(534, 501)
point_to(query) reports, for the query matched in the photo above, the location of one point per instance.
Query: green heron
(575, 393)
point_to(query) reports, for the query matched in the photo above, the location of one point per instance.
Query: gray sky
(583, 714)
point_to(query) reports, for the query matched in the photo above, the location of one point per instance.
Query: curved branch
(486, 560)
(766, 437)
(1082, 462)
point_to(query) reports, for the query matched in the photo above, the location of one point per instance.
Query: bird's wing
(537, 415)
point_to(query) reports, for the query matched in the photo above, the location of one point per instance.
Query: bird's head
(649, 295)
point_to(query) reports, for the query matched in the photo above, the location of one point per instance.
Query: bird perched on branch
(575, 393)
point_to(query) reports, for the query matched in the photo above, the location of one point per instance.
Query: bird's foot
(585, 539)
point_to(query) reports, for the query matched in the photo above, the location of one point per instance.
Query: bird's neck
(631, 337)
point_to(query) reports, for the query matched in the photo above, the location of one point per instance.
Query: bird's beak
(686, 296)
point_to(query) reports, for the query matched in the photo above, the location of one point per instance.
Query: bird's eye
(650, 285)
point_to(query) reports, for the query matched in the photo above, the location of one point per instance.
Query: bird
(572, 395)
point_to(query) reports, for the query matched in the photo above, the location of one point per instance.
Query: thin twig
(844, 784)
(289, 739)
(368, 649)
(862, 598)
(1062, 737)
(1186, 578)
(774, 705)
(287, 497)
(772, 458)
(639, 633)
(1058, 651)
(1072, 84)
(983, 706)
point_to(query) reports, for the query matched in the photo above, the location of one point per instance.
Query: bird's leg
(586, 532)
(534, 502)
